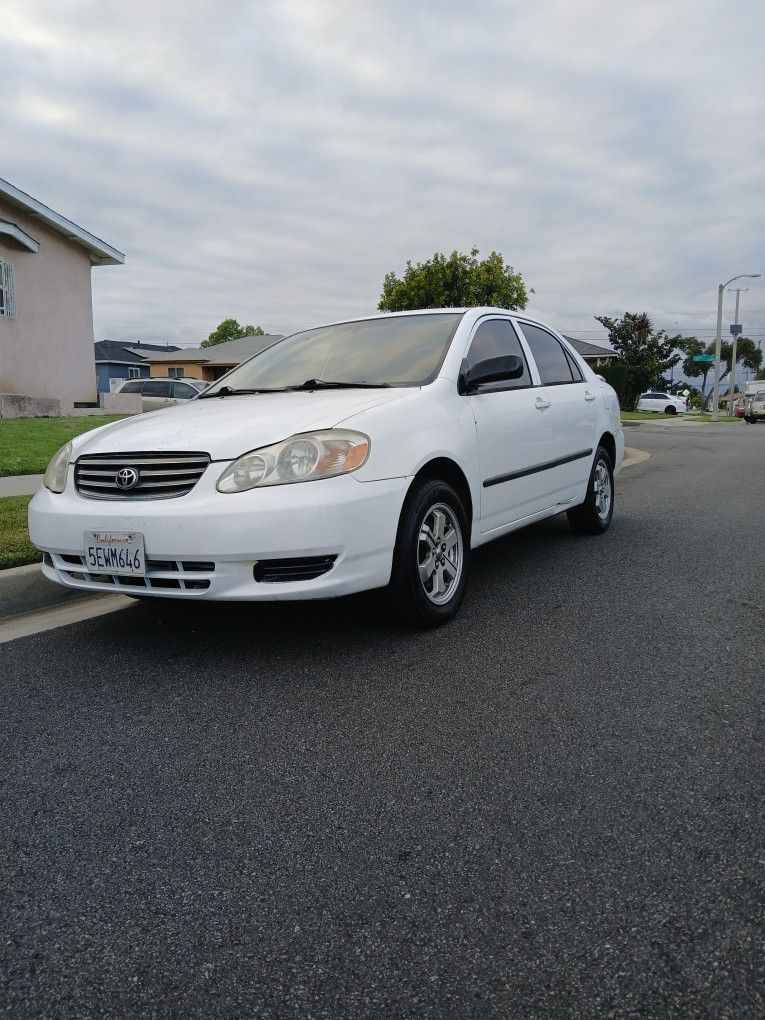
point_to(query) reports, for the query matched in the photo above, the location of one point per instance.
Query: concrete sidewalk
(25, 589)
(20, 485)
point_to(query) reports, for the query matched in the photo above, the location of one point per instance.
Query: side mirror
(501, 369)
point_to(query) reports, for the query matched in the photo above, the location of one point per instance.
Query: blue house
(117, 361)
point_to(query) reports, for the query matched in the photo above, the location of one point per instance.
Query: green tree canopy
(230, 329)
(455, 281)
(647, 353)
(748, 354)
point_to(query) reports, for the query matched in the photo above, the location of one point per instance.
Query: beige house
(208, 363)
(46, 310)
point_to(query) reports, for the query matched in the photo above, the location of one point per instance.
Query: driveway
(551, 807)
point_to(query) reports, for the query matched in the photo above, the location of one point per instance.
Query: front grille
(160, 475)
(304, 568)
(169, 575)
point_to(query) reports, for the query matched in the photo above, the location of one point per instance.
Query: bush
(615, 374)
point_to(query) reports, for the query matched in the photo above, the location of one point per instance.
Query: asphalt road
(550, 808)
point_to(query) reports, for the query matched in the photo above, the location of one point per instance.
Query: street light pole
(718, 341)
(733, 350)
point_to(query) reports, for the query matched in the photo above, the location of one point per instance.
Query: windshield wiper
(228, 391)
(327, 384)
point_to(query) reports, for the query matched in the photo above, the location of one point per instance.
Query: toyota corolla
(364, 454)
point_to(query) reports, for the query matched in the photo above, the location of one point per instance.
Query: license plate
(114, 552)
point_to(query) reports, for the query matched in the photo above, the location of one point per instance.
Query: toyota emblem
(127, 478)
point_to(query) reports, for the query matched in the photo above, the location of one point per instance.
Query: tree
(454, 282)
(692, 346)
(230, 329)
(748, 354)
(646, 352)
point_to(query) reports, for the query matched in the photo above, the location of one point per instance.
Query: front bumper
(206, 545)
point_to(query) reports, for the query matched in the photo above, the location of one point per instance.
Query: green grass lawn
(653, 415)
(15, 547)
(644, 415)
(27, 444)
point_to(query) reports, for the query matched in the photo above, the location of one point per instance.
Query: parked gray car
(156, 393)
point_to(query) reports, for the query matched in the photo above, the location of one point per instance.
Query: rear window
(553, 365)
(157, 388)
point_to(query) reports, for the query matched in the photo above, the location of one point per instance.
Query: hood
(227, 427)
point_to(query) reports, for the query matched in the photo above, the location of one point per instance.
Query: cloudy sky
(272, 160)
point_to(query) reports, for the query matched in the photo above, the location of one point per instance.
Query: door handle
(589, 395)
(541, 404)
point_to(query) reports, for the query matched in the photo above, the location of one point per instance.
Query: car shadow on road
(501, 570)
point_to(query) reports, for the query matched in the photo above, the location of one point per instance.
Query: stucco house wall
(47, 350)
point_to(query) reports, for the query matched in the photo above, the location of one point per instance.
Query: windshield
(405, 350)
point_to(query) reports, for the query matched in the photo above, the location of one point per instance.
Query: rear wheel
(431, 557)
(593, 516)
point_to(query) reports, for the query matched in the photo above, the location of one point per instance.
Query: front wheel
(593, 516)
(670, 409)
(431, 557)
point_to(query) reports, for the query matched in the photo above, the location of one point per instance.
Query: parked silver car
(156, 393)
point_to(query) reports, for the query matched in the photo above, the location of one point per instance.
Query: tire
(748, 420)
(432, 510)
(670, 409)
(589, 518)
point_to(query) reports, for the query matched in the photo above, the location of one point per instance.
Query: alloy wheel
(602, 486)
(439, 553)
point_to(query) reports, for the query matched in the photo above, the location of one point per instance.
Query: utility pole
(734, 333)
(718, 341)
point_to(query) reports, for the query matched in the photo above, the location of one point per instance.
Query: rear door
(575, 405)
(514, 432)
(156, 393)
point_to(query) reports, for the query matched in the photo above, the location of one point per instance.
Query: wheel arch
(608, 442)
(447, 470)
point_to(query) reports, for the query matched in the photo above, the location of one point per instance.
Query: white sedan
(666, 403)
(371, 453)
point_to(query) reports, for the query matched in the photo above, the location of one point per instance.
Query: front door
(515, 432)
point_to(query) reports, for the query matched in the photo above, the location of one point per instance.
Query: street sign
(736, 328)
(703, 357)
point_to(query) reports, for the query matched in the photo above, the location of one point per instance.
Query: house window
(175, 372)
(134, 372)
(7, 290)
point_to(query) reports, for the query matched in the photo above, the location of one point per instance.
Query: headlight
(56, 472)
(301, 458)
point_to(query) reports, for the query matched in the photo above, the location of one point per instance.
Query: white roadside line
(61, 616)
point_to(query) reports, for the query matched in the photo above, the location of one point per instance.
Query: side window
(7, 290)
(182, 389)
(131, 387)
(496, 338)
(575, 370)
(157, 388)
(553, 365)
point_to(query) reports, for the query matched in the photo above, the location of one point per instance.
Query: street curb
(26, 589)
